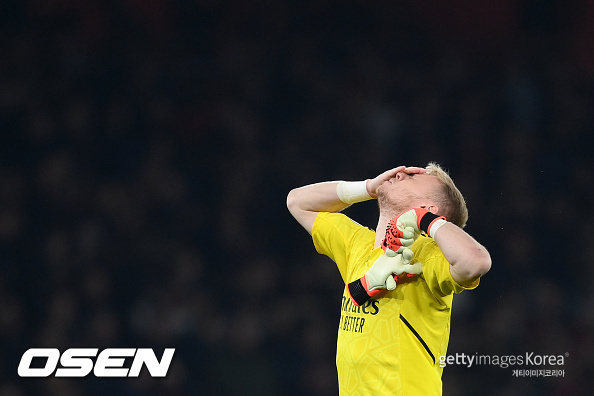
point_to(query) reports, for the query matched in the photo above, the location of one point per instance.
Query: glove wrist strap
(358, 293)
(430, 223)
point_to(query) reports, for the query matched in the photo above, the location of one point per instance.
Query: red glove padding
(397, 238)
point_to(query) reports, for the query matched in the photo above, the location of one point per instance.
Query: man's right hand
(373, 184)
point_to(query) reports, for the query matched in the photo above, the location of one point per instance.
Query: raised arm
(305, 202)
(468, 259)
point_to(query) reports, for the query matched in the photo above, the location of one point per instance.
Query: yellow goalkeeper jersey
(392, 344)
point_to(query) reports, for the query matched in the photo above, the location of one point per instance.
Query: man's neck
(380, 230)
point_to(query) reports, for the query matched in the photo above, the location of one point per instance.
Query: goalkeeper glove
(380, 275)
(420, 220)
(396, 239)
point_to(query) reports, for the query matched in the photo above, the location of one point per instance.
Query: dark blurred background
(147, 147)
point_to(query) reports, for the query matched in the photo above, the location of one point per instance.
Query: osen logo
(78, 362)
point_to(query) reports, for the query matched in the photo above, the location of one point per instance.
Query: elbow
(295, 203)
(291, 201)
(482, 263)
(477, 264)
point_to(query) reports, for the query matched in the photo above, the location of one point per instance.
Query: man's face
(406, 191)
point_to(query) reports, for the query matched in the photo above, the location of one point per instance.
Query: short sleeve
(341, 239)
(436, 269)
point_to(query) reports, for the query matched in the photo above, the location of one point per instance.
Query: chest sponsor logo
(356, 324)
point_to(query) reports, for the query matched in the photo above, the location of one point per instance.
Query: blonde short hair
(450, 200)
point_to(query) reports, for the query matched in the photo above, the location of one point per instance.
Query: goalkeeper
(399, 279)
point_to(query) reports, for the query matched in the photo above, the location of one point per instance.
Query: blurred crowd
(147, 148)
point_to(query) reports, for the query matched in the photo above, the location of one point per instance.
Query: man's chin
(381, 190)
